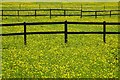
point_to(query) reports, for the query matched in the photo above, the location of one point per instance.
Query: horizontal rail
(47, 23)
(62, 10)
(11, 34)
(93, 32)
(15, 24)
(92, 10)
(58, 32)
(95, 23)
(61, 15)
(27, 15)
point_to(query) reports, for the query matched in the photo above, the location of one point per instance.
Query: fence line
(64, 13)
(65, 32)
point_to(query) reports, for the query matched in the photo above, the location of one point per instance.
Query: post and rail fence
(65, 32)
(64, 12)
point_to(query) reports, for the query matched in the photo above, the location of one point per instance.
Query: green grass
(73, 5)
(47, 56)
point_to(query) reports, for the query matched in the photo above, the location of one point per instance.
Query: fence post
(81, 13)
(18, 12)
(35, 13)
(110, 13)
(2, 14)
(24, 33)
(50, 13)
(95, 14)
(104, 31)
(64, 12)
(66, 31)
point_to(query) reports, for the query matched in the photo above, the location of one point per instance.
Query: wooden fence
(65, 32)
(81, 12)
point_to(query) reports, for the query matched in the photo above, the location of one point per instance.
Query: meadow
(47, 56)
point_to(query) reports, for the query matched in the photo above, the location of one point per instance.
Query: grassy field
(47, 56)
(71, 5)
